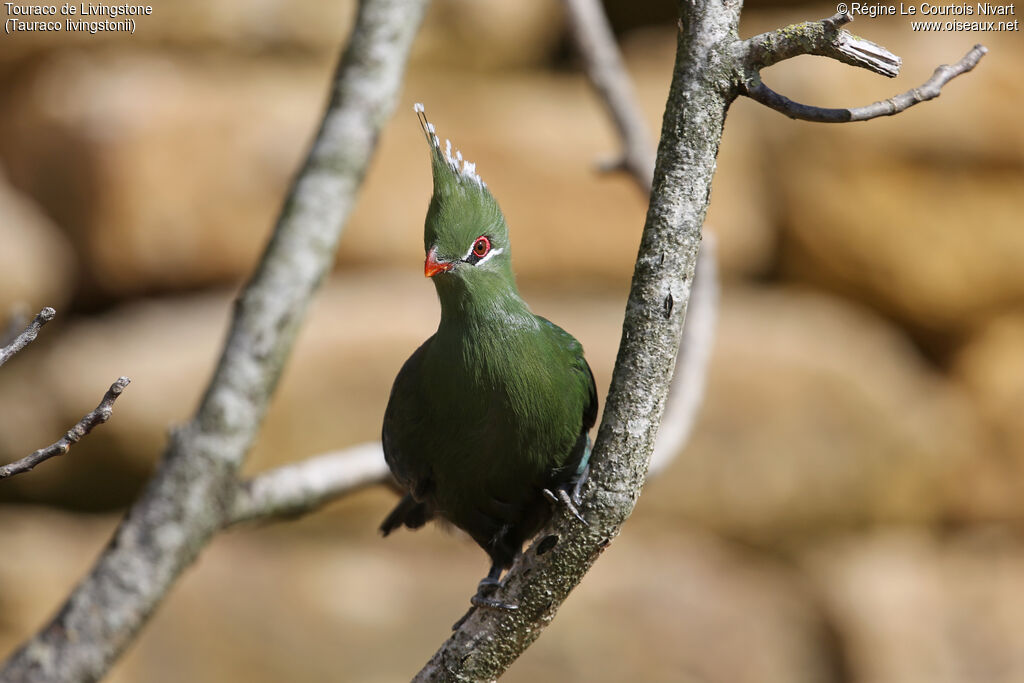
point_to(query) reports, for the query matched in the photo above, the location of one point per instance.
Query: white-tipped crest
(456, 163)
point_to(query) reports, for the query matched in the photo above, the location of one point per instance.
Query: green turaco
(487, 424)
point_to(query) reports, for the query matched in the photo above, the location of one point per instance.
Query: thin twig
(894, 105)
(305, 486)
(28, 336)
(16, 322)
(96, 417)
(189, 497)
(823, 38)
(592, 35)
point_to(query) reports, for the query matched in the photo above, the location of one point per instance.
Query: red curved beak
(432, 266)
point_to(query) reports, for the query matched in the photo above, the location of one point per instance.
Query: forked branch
(825, 38)
(931, 89)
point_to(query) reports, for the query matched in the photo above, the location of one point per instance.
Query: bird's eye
(481, 246)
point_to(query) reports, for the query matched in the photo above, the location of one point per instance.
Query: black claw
(577, 489)
(561, 496)
(487, 586)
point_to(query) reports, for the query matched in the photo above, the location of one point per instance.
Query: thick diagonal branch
(28, 335)
(95, 417)
(189, 497)
(894, 105)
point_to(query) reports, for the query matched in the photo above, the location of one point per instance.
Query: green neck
(490, 298)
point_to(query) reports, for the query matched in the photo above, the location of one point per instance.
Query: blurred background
(848, 508)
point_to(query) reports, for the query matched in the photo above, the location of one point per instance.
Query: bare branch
(894, 105)
(189, 497)
(303, 487)
(823, 38)
(603, 64)
(28, 336)
(690, 377)
(96, 417)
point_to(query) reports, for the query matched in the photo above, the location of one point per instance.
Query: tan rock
(316, 602)
(917, 215)
(910, 608)
(37, 266)
(991, 367)
(818, 416)
(157, 169)
(478, 34)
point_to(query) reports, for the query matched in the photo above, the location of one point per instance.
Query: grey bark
(190, 497)
(825, 38)
(297, 489)
(929, 90)
(62, 445)
(28, 335)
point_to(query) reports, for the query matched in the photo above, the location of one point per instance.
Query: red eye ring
(481, 246)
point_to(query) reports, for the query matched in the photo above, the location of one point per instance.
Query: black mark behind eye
(481, 247)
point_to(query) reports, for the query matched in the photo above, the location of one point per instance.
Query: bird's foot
(485, 590)
(569, 494)
(482, 598)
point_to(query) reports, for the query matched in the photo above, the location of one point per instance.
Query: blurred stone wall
(849, 507)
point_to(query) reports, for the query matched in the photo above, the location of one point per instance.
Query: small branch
(303, 487)
(823, 38)
(98, 416)
(602, 62)
(16, 321)
(894, 105)
(28, 336)
(690, 377)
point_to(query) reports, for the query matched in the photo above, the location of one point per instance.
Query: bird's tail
(407, 513)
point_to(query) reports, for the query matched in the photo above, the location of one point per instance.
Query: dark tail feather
(408, 513)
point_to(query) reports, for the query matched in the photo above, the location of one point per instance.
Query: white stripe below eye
(492, 252)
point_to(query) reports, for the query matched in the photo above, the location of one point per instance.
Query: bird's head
(465, 236)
